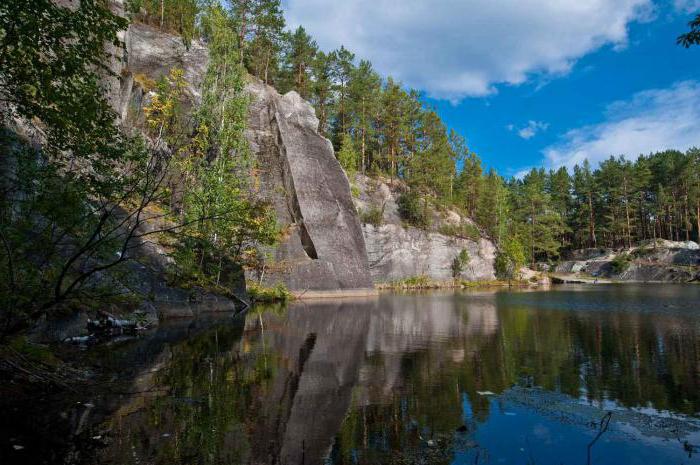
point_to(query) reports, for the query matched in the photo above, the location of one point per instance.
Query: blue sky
(532, 82)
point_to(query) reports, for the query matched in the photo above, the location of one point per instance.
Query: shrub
(459, 262)
(412, 210)
(509, 259)
(621, 263)
(277, 293)
(464, 230)
(373, 216)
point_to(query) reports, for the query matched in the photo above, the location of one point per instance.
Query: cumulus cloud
(459, 48)
(530, 130)
(653, 120)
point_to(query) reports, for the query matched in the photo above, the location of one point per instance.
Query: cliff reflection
(371, 381)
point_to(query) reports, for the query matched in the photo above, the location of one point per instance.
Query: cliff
(398, 251)
(662, 261)
(322, 248)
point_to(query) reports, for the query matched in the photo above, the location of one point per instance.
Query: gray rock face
(153, 53)
(667, 261)
(396, 251)
(323, 247)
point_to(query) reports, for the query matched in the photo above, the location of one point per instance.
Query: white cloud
(530, 130)
(653, 120)
(458, 48)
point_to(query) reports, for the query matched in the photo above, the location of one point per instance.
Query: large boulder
(323, 248)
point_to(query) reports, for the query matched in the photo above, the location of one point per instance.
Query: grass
(426, 283)
(373, 216)
(263, 294)
(464, 231)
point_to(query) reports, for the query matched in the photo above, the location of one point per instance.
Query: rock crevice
(322, 248)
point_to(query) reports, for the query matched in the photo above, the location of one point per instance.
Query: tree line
(378, 127)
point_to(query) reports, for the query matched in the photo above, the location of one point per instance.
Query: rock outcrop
(396, 251)
(664, 261)
(323, 248)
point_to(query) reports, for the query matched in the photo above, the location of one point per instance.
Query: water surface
(497, 378)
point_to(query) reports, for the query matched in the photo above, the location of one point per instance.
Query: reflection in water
(477, 378)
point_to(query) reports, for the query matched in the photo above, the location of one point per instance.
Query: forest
(379, 128)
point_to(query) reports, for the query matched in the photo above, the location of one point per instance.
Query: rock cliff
(396, 251)
(663, 261)
(323, 248)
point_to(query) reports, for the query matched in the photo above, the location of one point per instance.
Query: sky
(531, 83)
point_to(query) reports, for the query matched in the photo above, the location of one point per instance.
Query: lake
(442, 378)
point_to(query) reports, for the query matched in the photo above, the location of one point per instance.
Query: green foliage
(265, 33)
(413, 209)
(226, 222)
(374, 216)
(459, 262)
(509, 259)
(347, 156)
(621, 263)
(691, 37)
(177, 16)
(464, 230)
(52, 60)
(71, 210)
(262, 294)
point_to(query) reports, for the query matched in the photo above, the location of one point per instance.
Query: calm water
(487, 378)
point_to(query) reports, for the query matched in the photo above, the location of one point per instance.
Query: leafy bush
(373, 216)
(414, 282)
(621, 263)
(277, 293)
(509, 258)
(412, 210)
(465, 230)
(459, 262)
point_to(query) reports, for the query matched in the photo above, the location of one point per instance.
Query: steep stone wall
(323, 248)
(396, 251)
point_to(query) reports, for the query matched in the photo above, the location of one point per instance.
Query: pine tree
(468, 182)
(364, 91)
(342, 70)
(585, 193)
(347, 156)
(263, 49)
(322, 91)
(299, 58)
